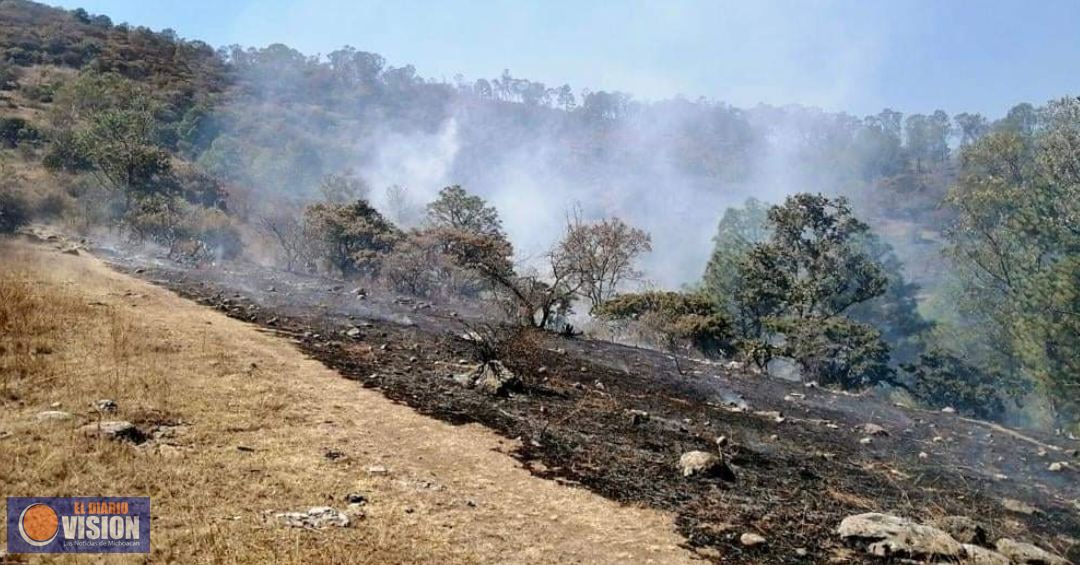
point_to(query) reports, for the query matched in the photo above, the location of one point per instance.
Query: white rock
(981, 556)
(751, 539)
(892, 536)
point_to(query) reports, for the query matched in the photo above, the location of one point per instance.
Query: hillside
(527, 323)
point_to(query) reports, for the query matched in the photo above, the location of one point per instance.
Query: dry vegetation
(245, 427)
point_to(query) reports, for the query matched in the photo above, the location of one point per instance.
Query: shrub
(941, 379)
(14, 211)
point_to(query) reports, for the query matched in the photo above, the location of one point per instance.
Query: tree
(286, 229)
(344, 187)
(801, 280)
(1016, 244)
(677, 321)
(972, 127)
(739, 230)
(457, 209)
(601, 255)
(349, 237)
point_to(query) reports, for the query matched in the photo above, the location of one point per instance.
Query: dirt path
(254, 427)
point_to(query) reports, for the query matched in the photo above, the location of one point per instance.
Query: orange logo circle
(38, 524)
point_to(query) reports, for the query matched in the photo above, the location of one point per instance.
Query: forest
(929, 257)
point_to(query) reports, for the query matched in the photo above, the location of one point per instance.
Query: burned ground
(797, 475)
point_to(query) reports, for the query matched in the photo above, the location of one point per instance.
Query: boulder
(890, 536)
(962, 529)
(315, 518)
(1026, 553)
(701, 463)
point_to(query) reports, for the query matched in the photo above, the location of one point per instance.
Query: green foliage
(457, 209)
(16, 131)
(676, 319)
(739, 230)
(941, 379)
(798, 284)
(1017, 246)
(350, 238)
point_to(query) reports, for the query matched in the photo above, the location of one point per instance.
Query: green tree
(739, 230)
(1016, 244)
(350, 238)
(798, 284)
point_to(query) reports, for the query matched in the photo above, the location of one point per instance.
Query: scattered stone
(1018, 506)
(924, 455)
(55, 405)
(949, 410)
(938, 439)
(962, 529)
(638, 417)
(801, 551)
(705, 464)
(1026, 553)
(377, 470)
(751, 539)
(721, 441)
(106, 405)
(874, 430)
(866, 440)
(1057, 466)
(354, 333)
(315, 518)
(117, 430)
(890, 536)
(53, 415)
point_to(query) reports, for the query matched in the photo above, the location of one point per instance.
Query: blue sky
(855, 56)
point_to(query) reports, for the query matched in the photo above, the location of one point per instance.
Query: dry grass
(73, 332)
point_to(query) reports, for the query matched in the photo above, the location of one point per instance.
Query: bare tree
(287, 231)
(601, 255)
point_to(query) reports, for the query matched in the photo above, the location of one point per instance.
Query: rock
(315, 518)
(801, 551)
(874, 430)
(751, 540)
(701, 463)
(721, 441)
(981, 556)
(1026, 553)
(71, 251)
(924, 455)
(866, 441)
(1057, 466)
(118, 430)
(1018, 506)
(355, 498)
(377, 470)
(638, 417)
(962, 529)
(52, 416)
(772, 415)
(949, 410)
(106, 405)
(890, 536)
(354, 333)
(495, 379)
